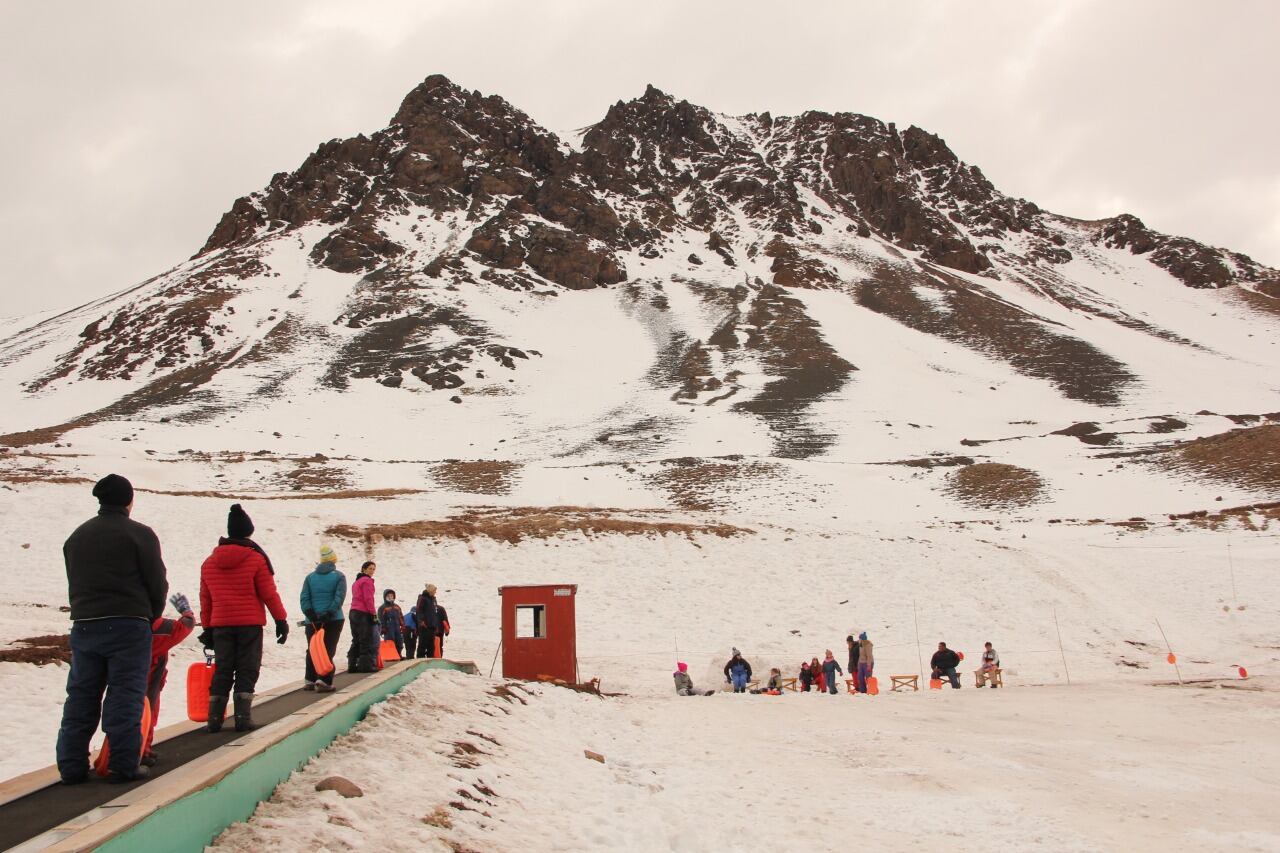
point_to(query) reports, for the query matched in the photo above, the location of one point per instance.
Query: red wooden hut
(539, 632)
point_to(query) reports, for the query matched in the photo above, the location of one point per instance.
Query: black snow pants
(237, 654)
(360, 654)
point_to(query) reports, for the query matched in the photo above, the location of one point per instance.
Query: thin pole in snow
(1232, 566)
(1176, 668)
(915, 616)
(495, 659)
(1061, 651)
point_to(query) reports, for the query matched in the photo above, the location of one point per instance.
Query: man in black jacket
(116, 581)
(944, 662)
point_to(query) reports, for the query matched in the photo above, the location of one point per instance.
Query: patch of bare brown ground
(995, 485)
(1253, 517)
(700, 484)
(340, 494)
(46, 649)
(1246, 458)
(514, 524)
(478, 477)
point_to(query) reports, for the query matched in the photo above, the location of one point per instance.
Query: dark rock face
(463, 192)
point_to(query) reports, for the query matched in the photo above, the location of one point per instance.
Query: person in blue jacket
(737, 672)
(410, 632)
(323, 593)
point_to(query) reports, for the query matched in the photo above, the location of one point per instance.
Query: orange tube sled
(388, 650)
(199, 677)
(320, 659)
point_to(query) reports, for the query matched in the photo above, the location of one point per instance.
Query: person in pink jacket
(363, 618)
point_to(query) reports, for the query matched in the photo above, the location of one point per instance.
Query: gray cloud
(130, 127)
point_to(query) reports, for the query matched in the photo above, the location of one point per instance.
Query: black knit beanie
(113, 490)
(239, 526)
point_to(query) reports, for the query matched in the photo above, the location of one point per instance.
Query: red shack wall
(555, 655)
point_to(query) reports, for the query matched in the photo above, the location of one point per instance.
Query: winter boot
(243, 708)
(217, 712)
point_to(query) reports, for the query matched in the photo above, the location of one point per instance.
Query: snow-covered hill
(812, 304)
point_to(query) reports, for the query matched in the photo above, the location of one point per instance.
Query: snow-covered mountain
(703, 307)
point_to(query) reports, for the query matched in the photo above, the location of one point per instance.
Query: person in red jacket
(236, 581)
(165, 635)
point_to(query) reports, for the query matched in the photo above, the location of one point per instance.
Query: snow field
(447, 764)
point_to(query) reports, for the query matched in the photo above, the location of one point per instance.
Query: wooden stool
(902, 682)
(851, 685)
(790, 684)
(997, 679)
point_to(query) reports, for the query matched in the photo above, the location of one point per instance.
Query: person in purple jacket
(363, 618)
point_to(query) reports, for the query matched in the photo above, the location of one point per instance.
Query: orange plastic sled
(104, 754)
(320, 659)
(199, 677)
(873, 685)
(935, 683)
(388, 650)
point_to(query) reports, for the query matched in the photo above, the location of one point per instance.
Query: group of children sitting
(821, 675)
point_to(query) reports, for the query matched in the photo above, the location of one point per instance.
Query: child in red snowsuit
(165, 635)
(819, 678)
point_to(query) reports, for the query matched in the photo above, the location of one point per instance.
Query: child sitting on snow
(684, 684)
(773, 686)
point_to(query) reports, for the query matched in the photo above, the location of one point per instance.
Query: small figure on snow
(410, 633)
(944, 662)
(990, 667)
(853, 656)
(684, 684)
(819, 677)
(830, 666)
(773, 687)
(324, 591)
(866, 661)
(805, 677)
(737, 672)
(391, 620)
(362, 655)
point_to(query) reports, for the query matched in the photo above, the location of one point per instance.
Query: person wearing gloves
(737, 672)
(830, 666)
(323, 593)
(684, 684)
(772, 687)
(364, 621)
(428, 619)
(236, 583)
(165, 635)
(117, 582)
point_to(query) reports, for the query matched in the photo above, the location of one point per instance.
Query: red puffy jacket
(234, 585)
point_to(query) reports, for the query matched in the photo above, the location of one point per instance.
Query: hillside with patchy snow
(700, 308)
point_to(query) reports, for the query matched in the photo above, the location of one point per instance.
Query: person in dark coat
(391, 620)
(362, 654)
(944, 662)
(442, 627)
(324, 591)
(116, 581)
(737, 672)
(853, 655)
(805, 677)
(428, 623)
(236, 583)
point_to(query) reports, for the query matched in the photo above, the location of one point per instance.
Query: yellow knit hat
(327, 555)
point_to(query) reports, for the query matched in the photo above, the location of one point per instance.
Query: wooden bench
(998, 681)
(902, 682)
(791, 684)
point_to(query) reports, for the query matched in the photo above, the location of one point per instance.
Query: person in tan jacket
(866, 661)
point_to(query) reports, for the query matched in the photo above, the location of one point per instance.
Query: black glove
(311, 616)
(282, 631)
(206, 638)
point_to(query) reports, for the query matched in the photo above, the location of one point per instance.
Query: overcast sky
(129, 128)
